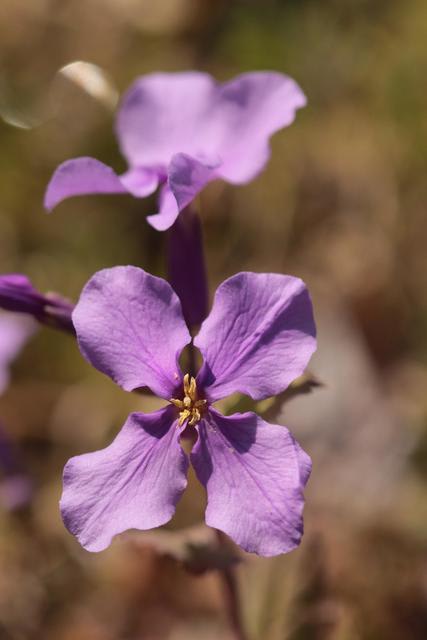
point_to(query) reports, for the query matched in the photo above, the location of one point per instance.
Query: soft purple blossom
(179, 131)
(18, 294)
(259, 336)
(15, 485)
(15, 331)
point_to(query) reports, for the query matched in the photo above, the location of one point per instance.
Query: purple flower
(18, 294)
(180, 131)
(15, 331)
(15, 484)
(259, 336)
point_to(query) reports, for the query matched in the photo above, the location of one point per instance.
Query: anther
(190, 407)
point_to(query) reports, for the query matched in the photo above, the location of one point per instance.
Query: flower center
(190, 407)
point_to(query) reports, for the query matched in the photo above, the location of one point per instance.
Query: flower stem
(231, 594)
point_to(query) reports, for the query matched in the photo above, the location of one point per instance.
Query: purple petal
(16, 491)
(253, 106)
(80, 177)
(162, 114)
(129, 325)
(168, 210)
(15, 330)
(254, 474)
(169, 113)
(186, 178)
(15, 485)
(135, 483)
(186, 266)
(140, 182)
(259, 336)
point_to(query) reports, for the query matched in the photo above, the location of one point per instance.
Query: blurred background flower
(341, 204)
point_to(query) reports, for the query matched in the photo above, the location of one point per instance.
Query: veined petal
(135, 483)
(258, 337)
(186, 178)
(129, 325)
(254, 474)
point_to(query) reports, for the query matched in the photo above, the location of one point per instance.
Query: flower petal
(168, 210)
(253, 106)
(254, 474)
(140, 182)
(135, 483)
(80, 177)
(165, 114)
(15, 330)
(162, 114)
(186, 178)
(258, 337)
(129, 325)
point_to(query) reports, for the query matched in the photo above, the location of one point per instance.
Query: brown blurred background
(342, 204)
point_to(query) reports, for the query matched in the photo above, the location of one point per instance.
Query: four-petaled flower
(259, 337)
(180, 131)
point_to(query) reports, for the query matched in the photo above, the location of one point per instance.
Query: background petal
(168, 210)
(162, 114)
(135, 483)
(258, 337)
(15, 330)
(140, 182)
(80, 177)
(129, 325)
(252, 107)
(254, 474)
(186, 178)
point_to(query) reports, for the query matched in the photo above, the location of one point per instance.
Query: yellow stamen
(190, 407)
